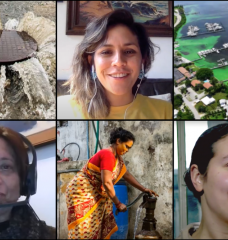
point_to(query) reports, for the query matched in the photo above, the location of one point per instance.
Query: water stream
(2, 82)
(27, 88)
(138, 214)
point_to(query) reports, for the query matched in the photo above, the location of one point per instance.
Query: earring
(93, 73)
(141, 74)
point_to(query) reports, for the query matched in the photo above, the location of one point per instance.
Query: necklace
(114, 152)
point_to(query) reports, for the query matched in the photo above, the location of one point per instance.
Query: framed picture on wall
(38, 132)
(156, 16)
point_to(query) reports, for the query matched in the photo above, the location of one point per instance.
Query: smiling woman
(14, 168)
(108, 68)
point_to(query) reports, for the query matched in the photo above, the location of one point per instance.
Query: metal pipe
(69, 170)
(87, 139)
(97, 137)
(94, 129)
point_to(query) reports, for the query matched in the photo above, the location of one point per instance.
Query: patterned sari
(90, 214)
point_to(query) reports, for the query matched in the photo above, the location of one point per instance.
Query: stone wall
(149, 161)
(74, 133)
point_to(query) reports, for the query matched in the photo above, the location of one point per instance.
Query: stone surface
(149, 161)
(38, 19)
(17, 9)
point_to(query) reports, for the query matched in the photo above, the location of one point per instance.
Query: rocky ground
(17, 9)
(17, 93)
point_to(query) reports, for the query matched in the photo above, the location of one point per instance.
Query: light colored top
(142, 108)
(185, 232)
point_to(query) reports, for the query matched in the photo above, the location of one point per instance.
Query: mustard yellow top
(142, 108)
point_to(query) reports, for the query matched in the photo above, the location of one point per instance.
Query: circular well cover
(15, 46)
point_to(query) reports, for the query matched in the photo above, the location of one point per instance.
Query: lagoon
(211, 12)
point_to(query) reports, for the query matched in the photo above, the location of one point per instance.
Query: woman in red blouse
(90, 193)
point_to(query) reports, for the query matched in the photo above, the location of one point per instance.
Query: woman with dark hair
(108, 69)
(207, 178)
(17, 222)
(90, 193)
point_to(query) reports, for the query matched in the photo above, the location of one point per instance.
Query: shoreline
(216, 73)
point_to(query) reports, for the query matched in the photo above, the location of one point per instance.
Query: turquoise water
(190, 46)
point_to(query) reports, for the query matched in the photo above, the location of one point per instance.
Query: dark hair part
(203, 152)
(82, 86)
(18, 152)
(122, 134)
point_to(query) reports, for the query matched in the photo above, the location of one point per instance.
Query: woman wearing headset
(17, 222)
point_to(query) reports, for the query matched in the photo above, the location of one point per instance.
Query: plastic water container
(122, 218)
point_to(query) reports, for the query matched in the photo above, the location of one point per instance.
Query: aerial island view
(200, 60)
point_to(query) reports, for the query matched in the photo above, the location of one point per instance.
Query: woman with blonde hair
(108, 68)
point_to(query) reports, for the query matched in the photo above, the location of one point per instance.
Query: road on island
(189, 104)
(177, 14)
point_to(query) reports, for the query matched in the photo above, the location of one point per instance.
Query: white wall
(162, 66)
(44, 201)
(75, 132)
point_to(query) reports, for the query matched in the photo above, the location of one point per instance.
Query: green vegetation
(199, 91)
(220, 91)
(209, 108)
(219, 87)
(202, 109)
(220, 95)
(215, 115)
(192, 67)
(199, 87)
(204, 73)
(178, 100)
(178, 54)
(188, 83)
(175, 19)
(182, 22)
(183, 90)
(182, 83)
(185, 64)
(185, 115)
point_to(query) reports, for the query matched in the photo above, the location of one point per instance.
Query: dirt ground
(17, 9)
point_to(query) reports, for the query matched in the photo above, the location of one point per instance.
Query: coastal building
(193, 74)
(178, 76)
(206, 101)
(207, 85)
(223, 103)
(195, 82)
(184, 72)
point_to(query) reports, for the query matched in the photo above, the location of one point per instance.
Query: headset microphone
(30, 184)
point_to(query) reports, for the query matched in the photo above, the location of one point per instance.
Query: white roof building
(222, 102)
(206, 101)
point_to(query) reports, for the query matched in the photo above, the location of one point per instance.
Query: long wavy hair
(82, 86)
